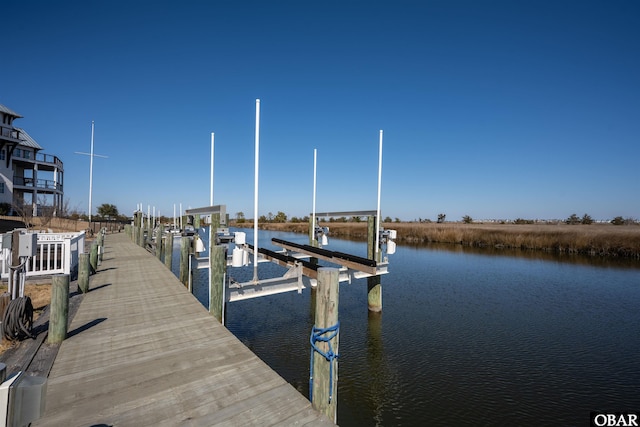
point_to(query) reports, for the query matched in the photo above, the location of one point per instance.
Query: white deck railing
(57, 253)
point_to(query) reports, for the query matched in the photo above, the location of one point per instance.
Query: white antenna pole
(255, 194)
(379, 185)
(211, 193)
(313, 212)
(91, 155)
(91, 171)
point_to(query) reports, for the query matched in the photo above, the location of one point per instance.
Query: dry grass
(56, 224)
(40, 294)
(594, 239)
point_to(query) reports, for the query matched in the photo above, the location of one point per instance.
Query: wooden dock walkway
(143, 351)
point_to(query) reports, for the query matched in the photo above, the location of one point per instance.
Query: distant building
(28, 178)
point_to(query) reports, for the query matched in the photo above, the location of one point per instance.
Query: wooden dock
(141, 350)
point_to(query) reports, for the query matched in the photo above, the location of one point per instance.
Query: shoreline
(605, 240)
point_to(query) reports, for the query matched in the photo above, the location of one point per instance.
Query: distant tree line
(573, 219)
(282, 217)
(586, 219)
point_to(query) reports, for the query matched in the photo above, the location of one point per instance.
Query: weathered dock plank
(143, 351)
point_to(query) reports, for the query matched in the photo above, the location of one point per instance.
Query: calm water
(464, 338)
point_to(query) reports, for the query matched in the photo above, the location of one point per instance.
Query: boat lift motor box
(22, 398)
(27, 244)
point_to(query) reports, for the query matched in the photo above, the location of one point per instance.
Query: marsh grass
(593, 239)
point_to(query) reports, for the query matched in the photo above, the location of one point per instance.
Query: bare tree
(65, 210)
(46, 212)
(24, 211)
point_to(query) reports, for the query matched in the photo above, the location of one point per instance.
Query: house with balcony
(28, 177)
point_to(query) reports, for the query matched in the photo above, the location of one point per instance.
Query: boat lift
(296, 258)
(293, 255)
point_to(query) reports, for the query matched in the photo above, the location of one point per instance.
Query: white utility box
(28, 244)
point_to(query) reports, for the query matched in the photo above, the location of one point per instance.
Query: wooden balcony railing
(9, 133)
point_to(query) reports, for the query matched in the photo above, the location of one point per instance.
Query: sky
(491, 109)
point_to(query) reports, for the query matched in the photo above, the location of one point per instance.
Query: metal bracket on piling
(290, 281)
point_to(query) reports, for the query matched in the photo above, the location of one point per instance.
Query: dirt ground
(40, 294)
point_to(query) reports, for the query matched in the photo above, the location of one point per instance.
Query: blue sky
(493, 109)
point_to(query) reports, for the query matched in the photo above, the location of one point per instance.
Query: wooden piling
(59, 310)
(5, 299)
(374, 294)
(83, 272)
(312, 233)
(93, 260)
(100, 240)
(215, 224)
(159, 231)
(137, 219)
(218, 269)
(141, 239)
(185, 248)
(149, 230)
(218, 266)
(168, 250)
(13, 285)
(324, 374)
(374, 287)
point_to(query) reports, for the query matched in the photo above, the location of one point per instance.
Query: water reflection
(376, 362)
(582, 259)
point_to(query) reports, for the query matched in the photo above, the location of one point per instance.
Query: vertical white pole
(313, 211)
(181, 224)
(379, 185)
(211, 193)
(91, 171)
(255, 194)
(174, 216)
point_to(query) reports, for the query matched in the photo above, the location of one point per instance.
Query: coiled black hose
(17, 322)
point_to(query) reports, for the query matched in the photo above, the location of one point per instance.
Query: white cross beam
(91, 155)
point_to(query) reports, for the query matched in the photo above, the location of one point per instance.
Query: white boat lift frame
(292, 257)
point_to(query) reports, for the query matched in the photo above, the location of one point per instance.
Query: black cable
(17, 322)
